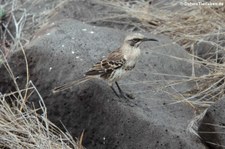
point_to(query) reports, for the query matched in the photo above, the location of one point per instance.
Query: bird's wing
(105, 67)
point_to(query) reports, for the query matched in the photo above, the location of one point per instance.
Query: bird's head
(135, 39)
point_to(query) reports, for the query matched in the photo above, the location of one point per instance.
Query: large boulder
(61, 52)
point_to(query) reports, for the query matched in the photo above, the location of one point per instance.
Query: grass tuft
(28, 129)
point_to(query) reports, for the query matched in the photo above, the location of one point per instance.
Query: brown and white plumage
(116, 64)
(106, 68)
(120, 61)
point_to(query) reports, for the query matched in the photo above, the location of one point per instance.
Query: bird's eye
(136, 40)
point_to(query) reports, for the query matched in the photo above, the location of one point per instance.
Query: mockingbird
(115, 65)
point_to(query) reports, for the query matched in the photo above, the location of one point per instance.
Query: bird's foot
(122, 94)
(126, 95)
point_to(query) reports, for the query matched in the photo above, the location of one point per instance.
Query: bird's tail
(68, 85)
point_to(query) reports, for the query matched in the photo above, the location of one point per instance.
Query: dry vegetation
(25, 128)
(187, 26)
(22, 126)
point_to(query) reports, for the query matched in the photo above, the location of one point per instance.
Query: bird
(116, 65)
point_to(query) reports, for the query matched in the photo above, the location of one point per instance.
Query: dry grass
(185, 25)
(28, 129)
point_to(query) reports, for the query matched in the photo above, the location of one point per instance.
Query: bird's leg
(114, 91)
(123, 94)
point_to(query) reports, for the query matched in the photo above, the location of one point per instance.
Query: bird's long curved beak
(149, 39)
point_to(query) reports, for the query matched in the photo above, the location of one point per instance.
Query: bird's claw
(126, 96)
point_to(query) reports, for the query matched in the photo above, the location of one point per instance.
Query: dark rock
(211, 48)
(63, 51)
(212, 127)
